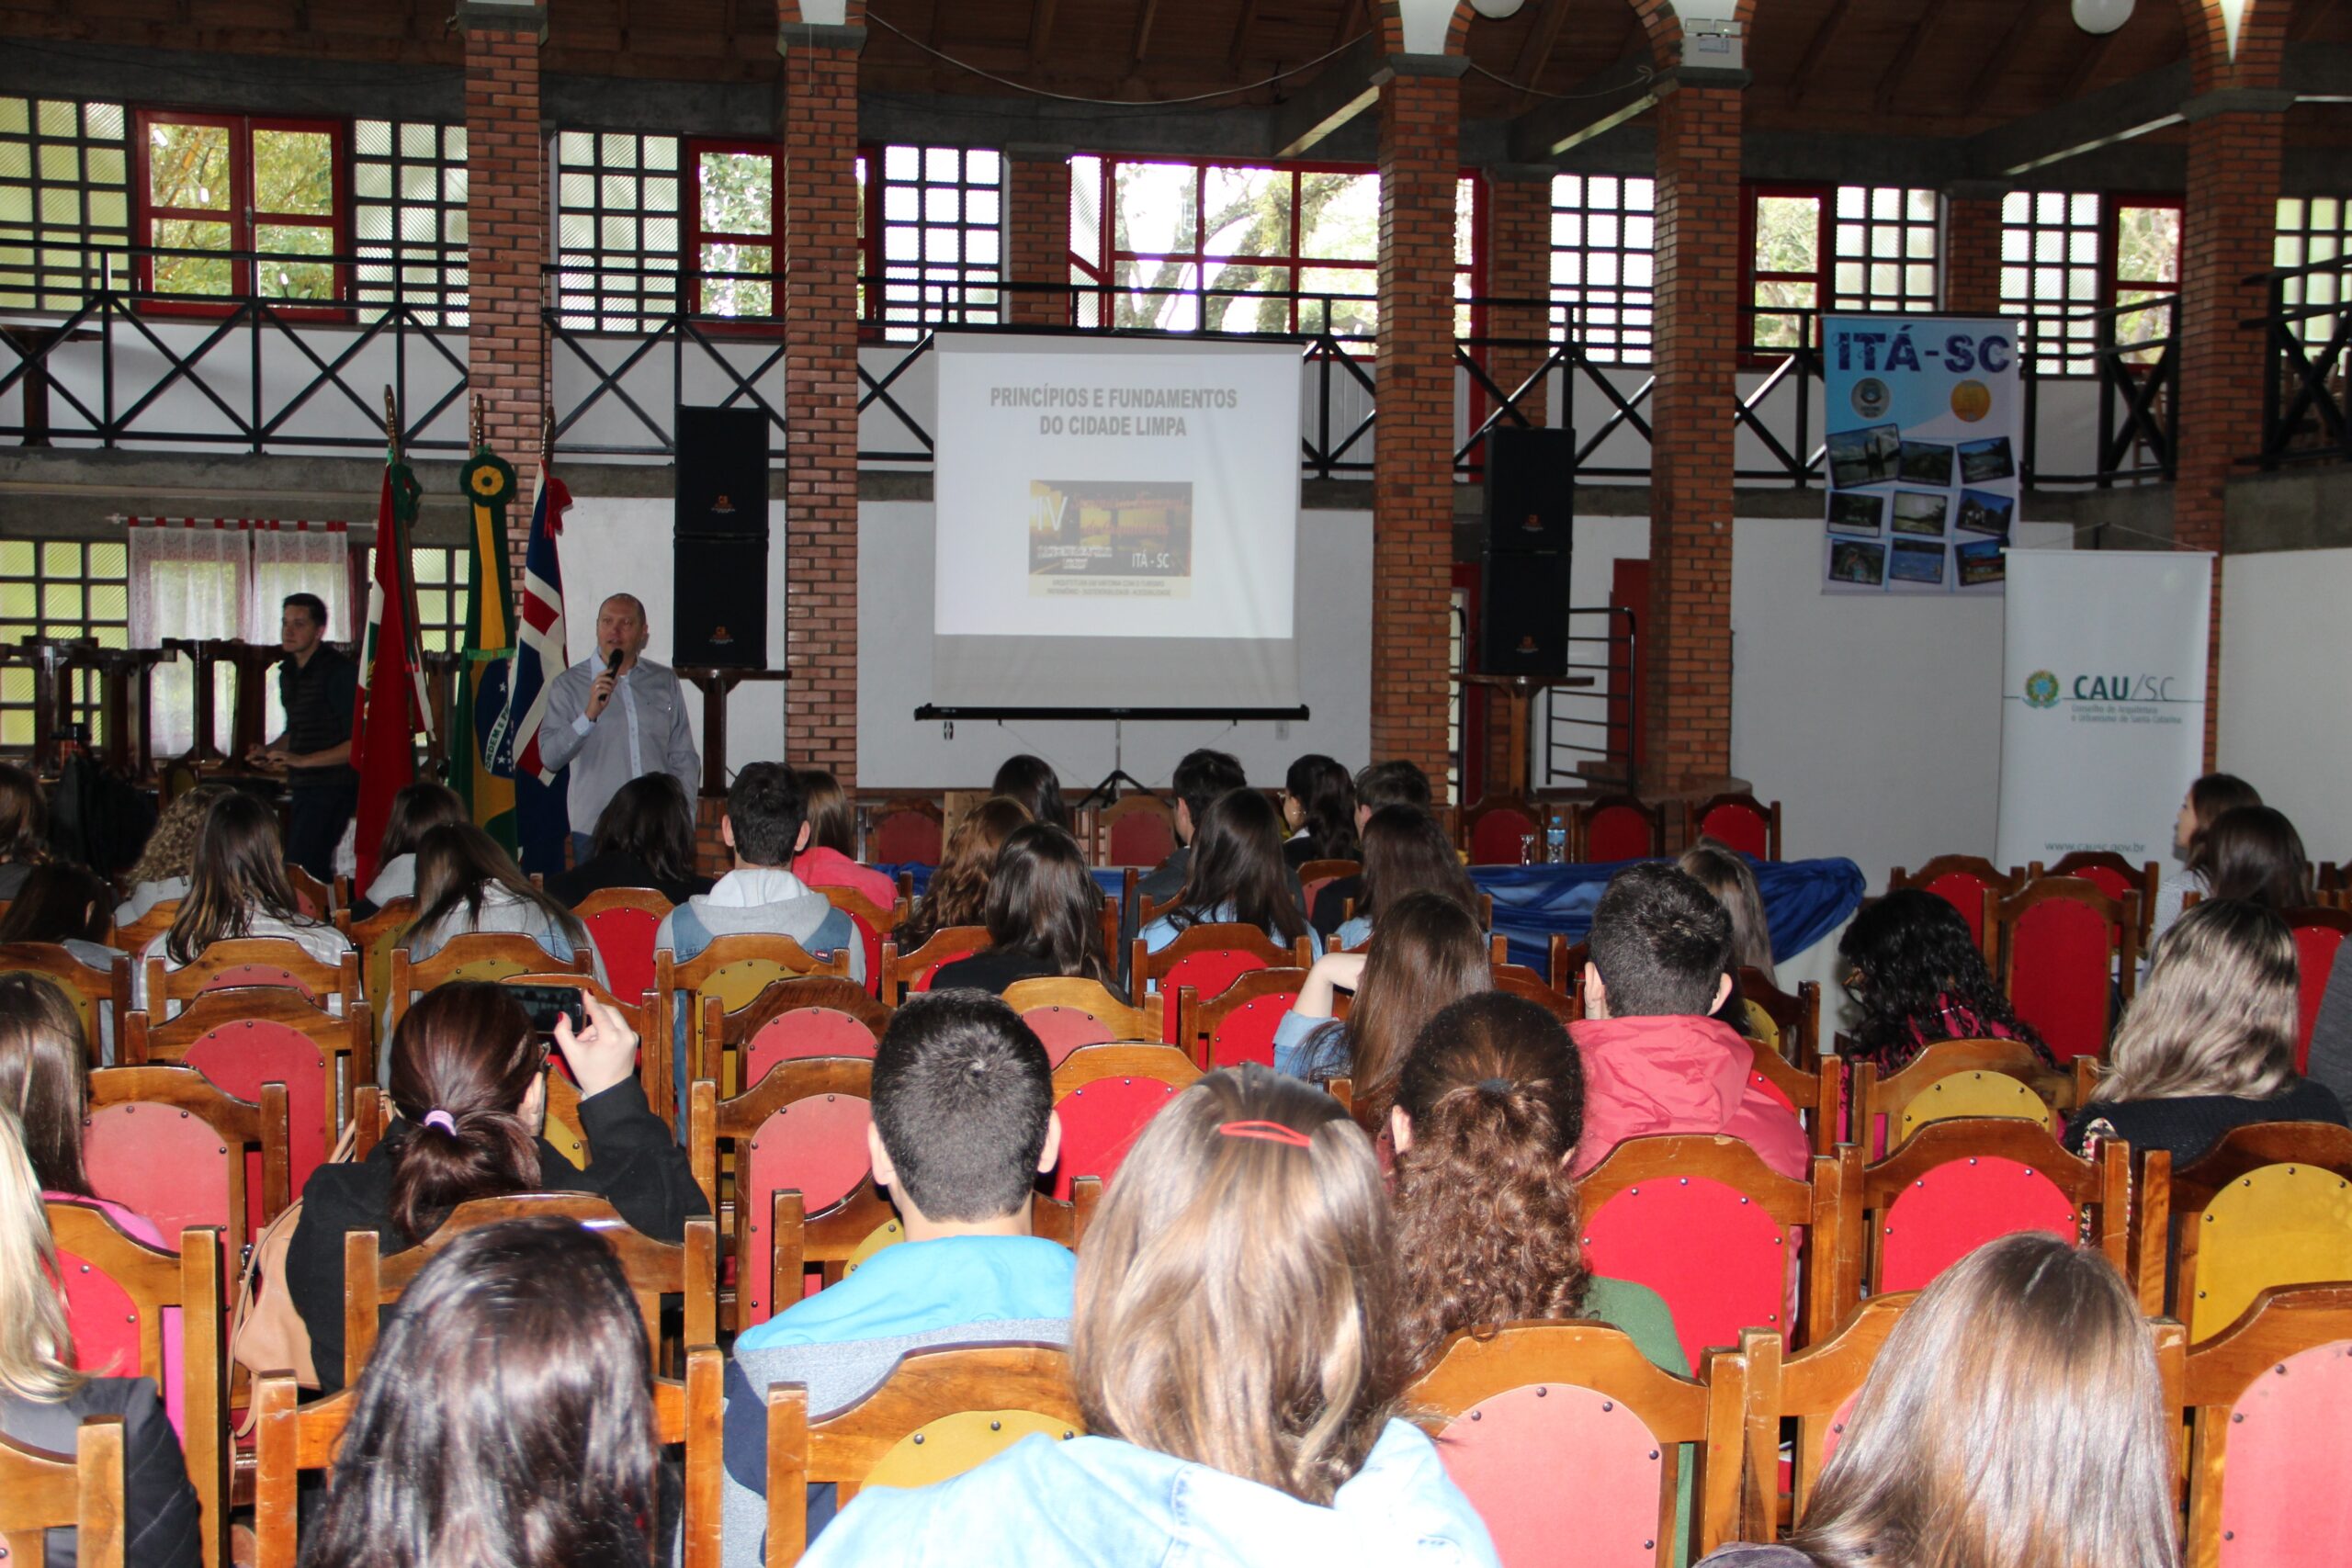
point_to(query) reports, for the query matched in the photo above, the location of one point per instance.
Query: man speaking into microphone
(613, 718)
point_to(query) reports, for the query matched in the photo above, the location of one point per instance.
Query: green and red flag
(478, 718)
(393, 705)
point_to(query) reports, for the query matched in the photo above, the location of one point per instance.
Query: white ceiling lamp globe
(2101, 15)
(1495, 10)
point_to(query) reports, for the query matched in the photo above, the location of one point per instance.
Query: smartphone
(547, 1003)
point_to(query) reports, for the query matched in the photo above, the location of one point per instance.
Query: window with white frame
(2050, 275)
(408, 213)
(64, 200)
(2314, 231)
(931, 233)
(1604, 260)
(618, 229)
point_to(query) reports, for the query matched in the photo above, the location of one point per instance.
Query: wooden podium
(1521, 691)
(716, 681)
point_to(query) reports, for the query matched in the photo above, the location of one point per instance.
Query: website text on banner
(1925, 425)
(2102, 700)
(1117, 522)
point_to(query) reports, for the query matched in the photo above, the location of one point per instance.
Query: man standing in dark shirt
(319, 687)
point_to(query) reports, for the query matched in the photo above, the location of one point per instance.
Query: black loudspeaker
(722, 602)
(722, 473)
(1531, 489)
(1523, 609)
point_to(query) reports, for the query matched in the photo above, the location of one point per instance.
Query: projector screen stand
(1108, 790)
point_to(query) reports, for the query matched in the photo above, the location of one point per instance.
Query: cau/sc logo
(2042, 690)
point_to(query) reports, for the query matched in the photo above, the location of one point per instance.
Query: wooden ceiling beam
(1815, 49)
(1041, 31)
(1145, 18)
(1241, 32)
(1898, 70)
(2029, 13)
(2314, 15)
(2088, 67)
(1542, 39)
(1351, 21)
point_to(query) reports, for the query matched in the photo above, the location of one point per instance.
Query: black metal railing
(2306, 328)
(1588, 734)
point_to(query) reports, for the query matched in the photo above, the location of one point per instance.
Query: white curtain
(296, 557)
(188, 579)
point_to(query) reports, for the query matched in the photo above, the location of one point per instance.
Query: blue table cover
(1805, 900)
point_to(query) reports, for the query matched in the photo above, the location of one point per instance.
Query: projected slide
(1116, 523)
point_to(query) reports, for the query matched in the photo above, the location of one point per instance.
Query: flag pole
(391, 423)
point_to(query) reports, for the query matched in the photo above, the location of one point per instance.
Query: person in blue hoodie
(964, 1125)
(1236, 1356)
(767, 824)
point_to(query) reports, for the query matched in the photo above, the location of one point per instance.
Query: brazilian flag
(477, 715)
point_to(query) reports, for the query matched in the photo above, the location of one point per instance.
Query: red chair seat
(159, 1161)
(1611, 1510)
(1966, 894)
(1100, 1124)
(1496, 837)
(1959, 1206)
(624, 938)
(816, 1147)
(1142, 838)
(2315, 952)
(104, 1321)
(1210, 973)
(1613, 834)
(240, 1058)
(906, 838)
(805, 1031)
(1247, 1033)
(1720, 1262)
(1743, 827)
(2284, 1504)
(2062, 980)
(1063, 1030)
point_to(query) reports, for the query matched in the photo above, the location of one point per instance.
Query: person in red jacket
(1654, 1060)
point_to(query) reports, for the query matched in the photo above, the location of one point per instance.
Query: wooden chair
(1209, 958)
(1136, 830)
(2271, 1421)
(734, 969)
(167, 1143)
(374, 938)
(1069, 1013)
(1795, 1019)
(1954, 1186)
(1817, 1095)
(2064, 949)
(1969, 884)
(798, 1141)
(687, 1267)
(1707, 1224)
(1104, 1094)
(312, 897)
(646, 1018)
(1615, 828)
(1948, 1079)
(1236, 1026)
(904, 831)
(812, 1015)
(290, 1437)
(1317, 875)
(133, 938)
(1568, 960)
(80, 1492)
(476, 955)
(624, 922)
(872, 922)
(1739, 821)
(117, 1290)
(2113, 875)
(2269, 1205)
(936, 1415)
(243, 1039)
(253, 961)
(100, 997)
(2319, 933)
(1811, 1390)
(1049, 1220)
(1524, 984)
(1495, 831)
(1516, 1409)
(904, 972)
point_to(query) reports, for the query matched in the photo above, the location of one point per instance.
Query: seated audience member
(1381, 784)
(1241, 1393)
(958, 893)
(1720, 868)
(963, 1126)
(1429, 955)
(64, 904)
(1915, 977)
(1033, 781)
(469, 1085)
(45, 1081)
(1654, 1060)
(23, 827)
(43, 1401)
(2253, 853)
(1235, 875)
(1200, 778)
(2209, 1042)
(506, 1417)
(645, 838)
(2207, 799)
(1405, 852)
(161, 876)
(1045, 917)
(763, 829)
(2014, 1415)
(831, 859)
(466, 884)
(239, 891)
(1319, 809)
(417, 809)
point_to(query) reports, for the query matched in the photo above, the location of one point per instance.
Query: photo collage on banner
(1925, 449)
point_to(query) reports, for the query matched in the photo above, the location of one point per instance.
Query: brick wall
(2231, 210)
(1686, 634)
(712, 857)
(1972, 255)
(506, 230)
(1413, 506)
(818, 229)
(1038, 214)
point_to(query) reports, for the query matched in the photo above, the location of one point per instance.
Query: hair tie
(1267, 1133)
(443, 1120)
(1496, 1086)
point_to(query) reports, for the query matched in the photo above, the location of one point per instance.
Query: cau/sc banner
(1926, 428)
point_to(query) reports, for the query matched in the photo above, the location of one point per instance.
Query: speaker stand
(1521, 691)
(1107, 791)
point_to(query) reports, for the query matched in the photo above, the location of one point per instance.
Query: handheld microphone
(613, 663)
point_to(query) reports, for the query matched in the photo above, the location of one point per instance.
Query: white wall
(895, 750)
(2286, 708)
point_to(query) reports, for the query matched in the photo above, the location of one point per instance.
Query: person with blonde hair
(1724, 872)
(1236, 1355)
(2014, 1419)
(44, 1400)
(162, 874)
(2209, 1042)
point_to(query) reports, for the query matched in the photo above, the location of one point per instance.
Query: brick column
(1412, 499)
(817, 226)
(506, 237)
(1037, 193)
(1686, 634)
(1973, 249)
(2231, 212)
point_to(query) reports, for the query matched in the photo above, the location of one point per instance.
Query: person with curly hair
(958, 893)
(169, 860)
(1914, 974)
